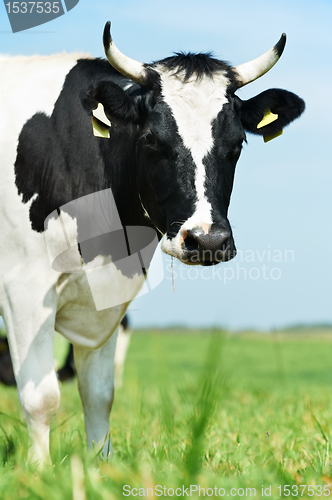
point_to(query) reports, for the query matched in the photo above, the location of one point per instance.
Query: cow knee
(40, 402)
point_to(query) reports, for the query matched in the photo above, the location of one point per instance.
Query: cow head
(191, 127)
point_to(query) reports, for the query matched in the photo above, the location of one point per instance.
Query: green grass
(196, 408)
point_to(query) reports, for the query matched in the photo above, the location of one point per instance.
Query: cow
(6, 367)
(176, 129)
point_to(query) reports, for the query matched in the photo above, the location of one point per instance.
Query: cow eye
(149, 138)
(238, 147)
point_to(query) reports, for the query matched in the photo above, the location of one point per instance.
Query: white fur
(122, 346)
(194, 105)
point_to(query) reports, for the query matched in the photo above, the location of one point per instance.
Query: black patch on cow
(59, 159)
(228, 136)
(167, 183)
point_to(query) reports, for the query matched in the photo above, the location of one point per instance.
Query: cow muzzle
(207, 249)
(198, 247)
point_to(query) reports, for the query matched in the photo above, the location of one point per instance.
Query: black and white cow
(6, 367)
(176, 133)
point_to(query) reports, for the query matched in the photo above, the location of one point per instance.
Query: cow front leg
(120, 354)
(40, 398)
(95, 372)
(31, 338)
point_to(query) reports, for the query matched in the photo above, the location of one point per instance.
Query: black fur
(165, 174)
(198, 65)
(286, 105)
(119, 107)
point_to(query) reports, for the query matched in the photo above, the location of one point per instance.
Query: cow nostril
(191, 243)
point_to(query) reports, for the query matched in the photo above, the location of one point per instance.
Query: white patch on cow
(194, 105)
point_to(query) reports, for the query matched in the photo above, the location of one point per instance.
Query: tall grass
(212, 410)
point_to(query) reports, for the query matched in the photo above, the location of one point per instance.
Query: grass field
(225, 412)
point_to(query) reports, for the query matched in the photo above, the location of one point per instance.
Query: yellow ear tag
(100, 129)
(268, 138)
(268, 118)
(100, 122)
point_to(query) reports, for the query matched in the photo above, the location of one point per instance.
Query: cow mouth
(208, 258)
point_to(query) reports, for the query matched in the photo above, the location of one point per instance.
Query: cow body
(176, 134)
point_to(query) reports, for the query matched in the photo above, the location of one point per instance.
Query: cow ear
(269, 112)
(119, 108)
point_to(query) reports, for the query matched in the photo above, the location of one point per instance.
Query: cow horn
(126, 66)
(250, 71)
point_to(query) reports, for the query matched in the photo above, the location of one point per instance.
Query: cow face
(186, 161)
(190, 127)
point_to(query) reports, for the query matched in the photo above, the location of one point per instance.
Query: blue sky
(281, 204)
